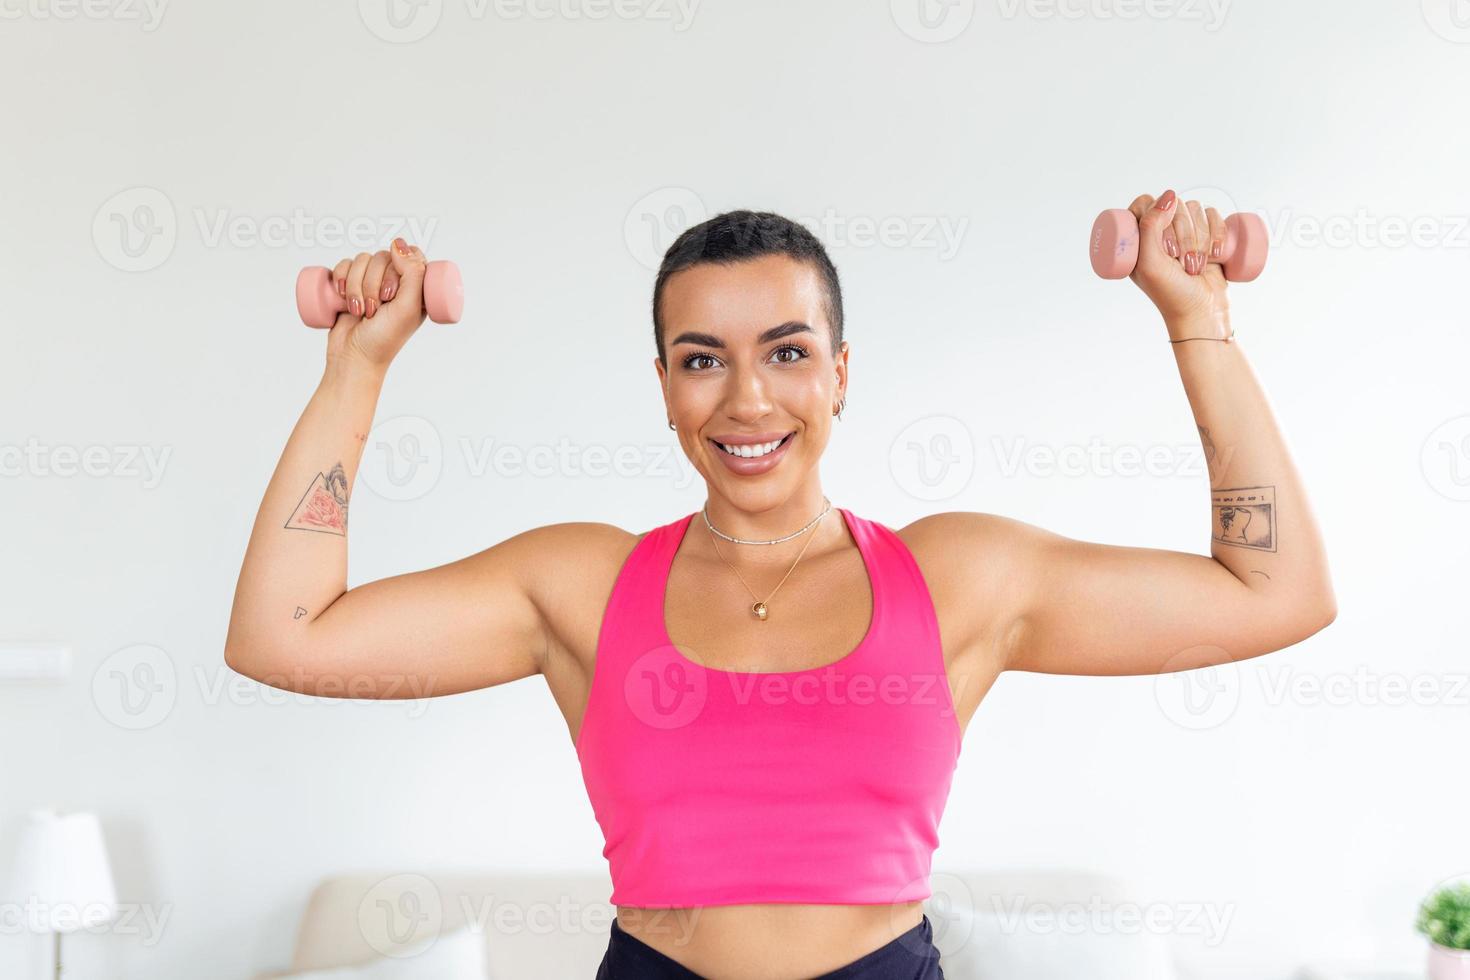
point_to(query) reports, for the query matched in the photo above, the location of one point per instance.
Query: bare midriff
(781, 941)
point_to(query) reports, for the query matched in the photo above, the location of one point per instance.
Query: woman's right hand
(384, 292)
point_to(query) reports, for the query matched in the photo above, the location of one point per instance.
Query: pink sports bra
(821, 786)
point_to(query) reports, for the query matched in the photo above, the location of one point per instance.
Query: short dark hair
(736, 236)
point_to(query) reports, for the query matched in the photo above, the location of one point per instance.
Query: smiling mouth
(755, 450)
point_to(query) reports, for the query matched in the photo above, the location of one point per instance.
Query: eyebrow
(710, 340)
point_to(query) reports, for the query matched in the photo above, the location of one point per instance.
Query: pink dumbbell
(318, 303)
(1113, 246)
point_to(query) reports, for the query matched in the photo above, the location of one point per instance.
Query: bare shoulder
(978, 568)
(556, 563)
(567, 571)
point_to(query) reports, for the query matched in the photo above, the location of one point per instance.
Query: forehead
(743, 297)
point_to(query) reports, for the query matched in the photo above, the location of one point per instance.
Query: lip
(754, 467)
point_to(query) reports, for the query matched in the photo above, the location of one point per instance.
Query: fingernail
(1166, 202)
(1172, 246)
(341, 287)
(383, 292)
(372, 305)
(389, 290)
(401, 246)
(1215, 250)
(1197, 262)
(352, 306)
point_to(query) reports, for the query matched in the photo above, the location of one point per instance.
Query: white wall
(540, 153)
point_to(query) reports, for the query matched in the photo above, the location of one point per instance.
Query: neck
(787, 517)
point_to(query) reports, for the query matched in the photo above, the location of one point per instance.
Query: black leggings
(911, 956)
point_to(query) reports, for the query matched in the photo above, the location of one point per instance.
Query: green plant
(1445, 916)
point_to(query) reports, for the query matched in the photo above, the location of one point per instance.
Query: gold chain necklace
(760, 607)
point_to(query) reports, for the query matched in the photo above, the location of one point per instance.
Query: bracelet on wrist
(1222, 340)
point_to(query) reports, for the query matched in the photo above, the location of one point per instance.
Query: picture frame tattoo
(1245, 517)
(323, 507)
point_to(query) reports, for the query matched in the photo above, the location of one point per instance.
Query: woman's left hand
(1179, 265)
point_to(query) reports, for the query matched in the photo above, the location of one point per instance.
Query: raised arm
(1074, 607)
(473, 623)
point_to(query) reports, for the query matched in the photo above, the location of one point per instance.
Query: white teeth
(751, 451)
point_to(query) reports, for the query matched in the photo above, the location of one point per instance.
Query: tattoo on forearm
(1209, 445)
(1246, 517)
(298, 613)
(324, 505)
(1257, 571)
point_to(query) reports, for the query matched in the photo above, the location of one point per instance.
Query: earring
(671, 423)
(840, 406)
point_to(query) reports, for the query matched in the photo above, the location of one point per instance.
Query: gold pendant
(760, 611)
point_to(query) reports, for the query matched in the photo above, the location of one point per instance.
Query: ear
(663, 382)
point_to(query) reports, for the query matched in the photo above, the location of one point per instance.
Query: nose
(747, 395)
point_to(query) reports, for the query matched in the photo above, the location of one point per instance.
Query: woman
(767, 696)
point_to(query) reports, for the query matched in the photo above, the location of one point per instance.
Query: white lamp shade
(61, 881)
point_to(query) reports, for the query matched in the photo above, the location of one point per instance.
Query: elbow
(260, 665)
(1313, 618)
